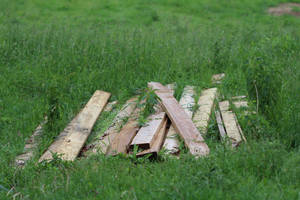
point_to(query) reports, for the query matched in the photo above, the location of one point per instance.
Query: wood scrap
(202, 115)
(101, 144)
(181, 121)
(122, 141)
(220, 124)
(240, 104)
(30, 146)
(147, 134)
(69, 143)
(231, 127)
(217, 78)
(158, 141)
(187, 101)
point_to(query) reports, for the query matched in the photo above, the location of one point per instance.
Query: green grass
(57, 53)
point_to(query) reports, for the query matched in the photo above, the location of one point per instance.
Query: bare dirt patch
(285, 9)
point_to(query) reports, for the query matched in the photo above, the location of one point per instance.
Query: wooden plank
(101, 144)
(110, 106)
(202, 115)
(30, 146)
(220, 124)
(187, 101)
(69, 143)
(217, 78)
(180, 120)
(230, 123)
(240, 104)
(122, 141)
(146, 135)
(158, 141)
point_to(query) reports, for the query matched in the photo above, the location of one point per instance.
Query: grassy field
(57, 53)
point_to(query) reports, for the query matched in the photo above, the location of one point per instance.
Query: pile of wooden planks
(172, 121)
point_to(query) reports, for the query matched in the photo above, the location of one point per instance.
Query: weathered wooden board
(110, 106)
(69, 143)
(230, 123)
(30, 146)
(180, 120)
(102, 143)
(187, 101)
(158, 141)
(240, 104)
(146, 135)
(122, 141)
(220, 124)
(202, 115)
(217, 78)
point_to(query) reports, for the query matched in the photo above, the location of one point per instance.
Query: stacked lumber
(171, 122)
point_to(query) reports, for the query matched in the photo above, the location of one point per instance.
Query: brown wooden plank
(220, 124)
(102, 143)
(230, 123)
(202, 115)
(146, 135)
(69, 143)
(180, 120)
(122, 141)
(158, 141)
(187, 101)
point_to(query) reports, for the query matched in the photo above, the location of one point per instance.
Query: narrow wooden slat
(146, 135)
(202, 115)
(158, 141)
(230, 123)
(187, 101)
(240, 104)
(101, 144)
(122, 141)
(69, 143)
(220, 124)
(30, 146)
(181, 121)
(110, 106)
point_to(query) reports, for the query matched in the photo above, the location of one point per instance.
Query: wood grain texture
(158, 141)
(122, 141)
(69, 143)
(146, 135)
(187, 101)
(202, 115)
(230, 124)
(180, 120)
(101, 144)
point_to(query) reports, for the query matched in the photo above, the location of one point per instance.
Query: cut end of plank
(199, 149)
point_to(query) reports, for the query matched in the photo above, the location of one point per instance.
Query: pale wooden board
(230, 123)
(217, 78)
(110, 106)
(146, 135)
(220, 124)
(240, 104)
(202, 115)
(239, 97)
(69, 143)
(180, 120)
(122, 141)
(187, 101)
(101, 144)
(158, 141)
(30, 146)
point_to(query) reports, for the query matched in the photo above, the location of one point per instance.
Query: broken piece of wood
(217, 78)
(231, 127)
(110, 106)
(202, 115)
(146, 135)
(158, 141)
(180, 120)
(187, 101)
(220, 124)
(69, 143)
(101, 144)
(122, 141)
